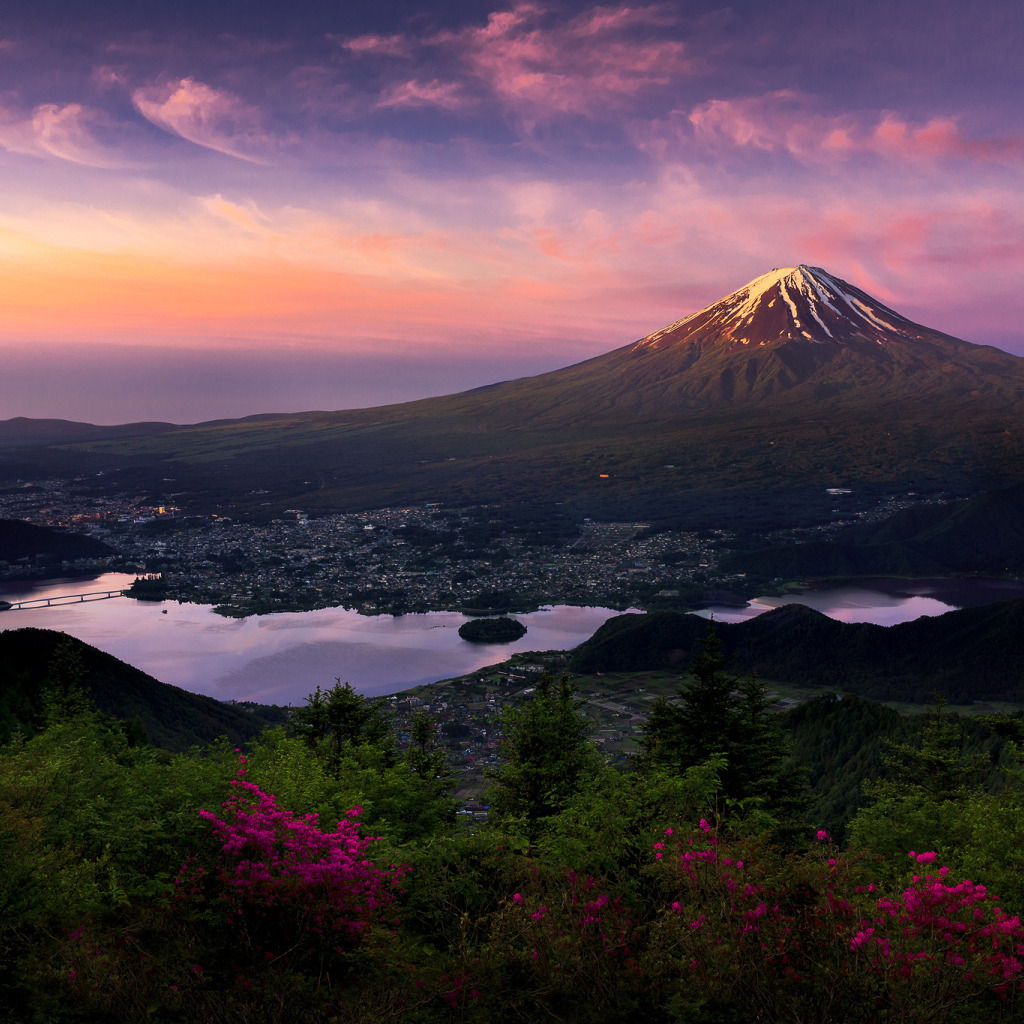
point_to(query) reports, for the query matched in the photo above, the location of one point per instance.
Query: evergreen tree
(939, 766)
(343, 719)
(726, 717)
(546, 753)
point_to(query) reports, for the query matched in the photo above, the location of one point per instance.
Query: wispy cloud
(448, 95)
(70, 132)
(206, 116)
(376, 45)
(537, 65)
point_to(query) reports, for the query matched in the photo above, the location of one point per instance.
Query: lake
(280, 659)
(884, 602)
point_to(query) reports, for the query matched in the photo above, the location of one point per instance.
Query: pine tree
(545, 753)
(720, 715)
(343, 719)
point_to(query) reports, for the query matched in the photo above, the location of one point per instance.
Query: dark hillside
(19, 539)
(981, 534)
(845, 741)
(969, 654)
(172, 718)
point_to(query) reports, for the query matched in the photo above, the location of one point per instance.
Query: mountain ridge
(733, 398)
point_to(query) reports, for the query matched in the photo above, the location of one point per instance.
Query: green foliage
(345, 755)
(32, 660)
(341, 719)
(935, 801)
(148, 588)
(617, 902)
(968, 654)
(545, 754)
(728, 718)
(492, 631)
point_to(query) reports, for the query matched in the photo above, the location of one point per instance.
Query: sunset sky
(221, 208)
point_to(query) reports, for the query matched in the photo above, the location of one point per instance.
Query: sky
(216, 209)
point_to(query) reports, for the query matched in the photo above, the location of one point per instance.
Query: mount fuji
(795, 383)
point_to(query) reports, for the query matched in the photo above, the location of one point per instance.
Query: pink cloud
(781, 121)
(936, 138)
(69, 132)
(538, 66)
(205, 116)
(448, 95)
(585, 65)
(376, 45)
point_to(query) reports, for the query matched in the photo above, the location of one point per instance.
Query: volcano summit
(792, 303)
(796, 382)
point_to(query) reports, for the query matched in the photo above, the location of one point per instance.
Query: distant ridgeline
(967, 655)
(19, 539)
(981, 534)
(31, 659)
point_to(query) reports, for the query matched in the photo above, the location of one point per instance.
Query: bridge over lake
(46, 602)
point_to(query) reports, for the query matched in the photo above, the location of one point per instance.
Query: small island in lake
(492, 631)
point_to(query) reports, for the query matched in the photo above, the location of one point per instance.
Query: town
(394, 560)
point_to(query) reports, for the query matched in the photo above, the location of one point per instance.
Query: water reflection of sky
(845, 604)
(282, 658)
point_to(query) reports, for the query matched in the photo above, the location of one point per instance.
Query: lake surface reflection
(279, 659)
(885, 602)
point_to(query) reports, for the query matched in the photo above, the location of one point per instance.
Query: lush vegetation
(321, 874)
(148, 588)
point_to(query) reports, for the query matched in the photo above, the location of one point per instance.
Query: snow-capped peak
(790, 302)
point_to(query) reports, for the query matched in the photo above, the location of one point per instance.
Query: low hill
(172, 718)
(24, 432)
(981, 534)
(19, 539)
(969, 654)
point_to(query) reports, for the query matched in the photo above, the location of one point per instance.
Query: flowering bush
(283, 909)
(804, 938)
(272, 858)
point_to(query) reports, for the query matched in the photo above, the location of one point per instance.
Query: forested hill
(19, 539)
(980, 534)
(969, 654)
(31, 659)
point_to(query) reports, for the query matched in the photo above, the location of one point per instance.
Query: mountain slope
(797, 380)
(19, 539)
